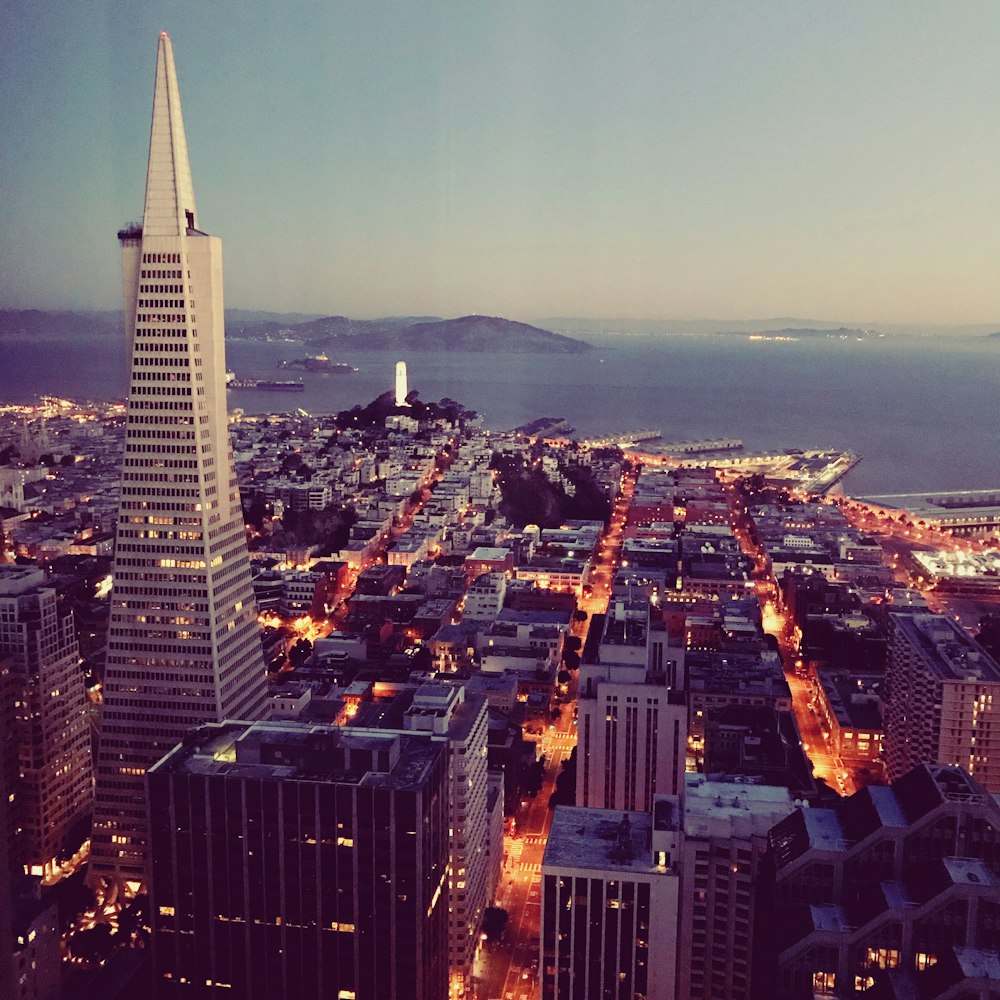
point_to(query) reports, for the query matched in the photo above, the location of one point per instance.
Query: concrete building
(942, 699)
(183, 643)
(485, 596)
(610, 893)
(632, 720)
(54, 792)
(291, 860)
(726, 824)
(892, 893)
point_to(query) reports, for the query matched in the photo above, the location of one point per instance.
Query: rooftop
(302, 752)
(601, 840)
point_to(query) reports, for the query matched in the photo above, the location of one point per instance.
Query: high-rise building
(447, 713)
(894, 892)
(402, 389)
(291, 860)
(942, 699)
(632, 723)
(54, 791)
(6, 861)
(609, 904)
(726, 824)
(458, 719)
(183, 643)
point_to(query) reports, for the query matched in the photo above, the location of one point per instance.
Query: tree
(571, 660)
(300, 652)
(579, 615)
(93, 945)
(565, 793)
(572, 643)
(494, 921)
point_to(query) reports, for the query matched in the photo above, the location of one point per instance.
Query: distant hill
(466, 333)
(415, 333)
(33, 324)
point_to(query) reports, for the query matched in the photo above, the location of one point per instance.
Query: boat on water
(264, 385)
(317, 363)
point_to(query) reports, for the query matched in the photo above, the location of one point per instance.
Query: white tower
(183, 643)
(401, 388)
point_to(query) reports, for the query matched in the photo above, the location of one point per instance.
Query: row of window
(160, 273)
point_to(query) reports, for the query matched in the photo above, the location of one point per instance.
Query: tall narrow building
(183, 642)
(53, 793)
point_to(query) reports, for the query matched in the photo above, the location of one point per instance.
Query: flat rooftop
(600, 840)
(946, 649)
(299, 751)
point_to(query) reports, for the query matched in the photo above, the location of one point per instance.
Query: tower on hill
(183, 641)
(402, 390)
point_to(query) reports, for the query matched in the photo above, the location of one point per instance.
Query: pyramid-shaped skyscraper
(183, 643)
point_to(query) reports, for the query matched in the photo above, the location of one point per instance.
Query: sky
(526, 159)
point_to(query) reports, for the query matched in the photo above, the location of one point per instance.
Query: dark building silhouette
(291, 860)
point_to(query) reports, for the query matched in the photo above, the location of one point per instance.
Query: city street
(508, 969)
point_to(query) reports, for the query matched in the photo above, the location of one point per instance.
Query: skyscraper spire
(170, 209)
(183, 641)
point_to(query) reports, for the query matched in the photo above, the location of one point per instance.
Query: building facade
(54, 791)
(291, 860)
(894, 892)
(942, 699)
(632, 723)
(726, 824)
(183, 641)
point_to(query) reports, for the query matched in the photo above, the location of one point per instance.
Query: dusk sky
(525, 159)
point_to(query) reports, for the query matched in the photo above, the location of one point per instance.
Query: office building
(632, 723)
(458, 719)
(894, 892)
(726, 824)
(942, 699)
(53, 794)
(610, 904)
(183, 642)
(291, 860)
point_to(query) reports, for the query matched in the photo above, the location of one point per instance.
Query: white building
(183, 643)
(484, 598)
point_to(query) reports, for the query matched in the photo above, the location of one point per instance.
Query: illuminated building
(292, 860)
(54, 792)
(942, 699)
(894, 892)
(183, 642)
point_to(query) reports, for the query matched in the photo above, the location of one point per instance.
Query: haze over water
(922, 414)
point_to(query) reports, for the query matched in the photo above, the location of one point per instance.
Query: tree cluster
(529, 497)
(329, 528)
(374, 414)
